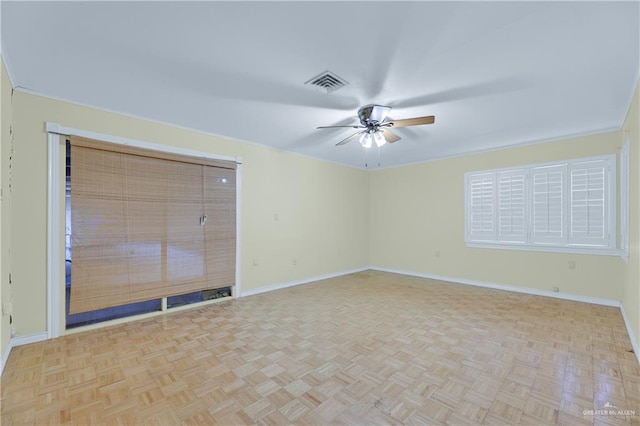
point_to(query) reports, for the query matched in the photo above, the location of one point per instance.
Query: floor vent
(327, 82)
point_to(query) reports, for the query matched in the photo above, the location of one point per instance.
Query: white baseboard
(19, 341)
(526, 290)
(38, 337)
(308, 280)
(30, 338)
(477, 283)
(632, 335)
(5, 356)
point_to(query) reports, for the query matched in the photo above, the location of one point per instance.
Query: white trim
(238, 286)
(486, 284)
(632, 335)
(164, 311)
(527, 290)
(550, 249)
(33, 338)
(29, 338)
(7, 65)
(293, 283)
(19, 341)
(5, 356)
(564, 136)
(54, 259)
(564, 243)
(62, 130)
(624, 200)
(559, 138)
(632, 96)
(179, 126)
(552, 163)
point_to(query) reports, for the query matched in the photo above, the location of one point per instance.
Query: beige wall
(330, 218)
(417, 224)
(318, 205)
(631, 272)
(5, 204)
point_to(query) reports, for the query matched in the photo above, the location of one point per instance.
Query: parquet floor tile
(364, 349)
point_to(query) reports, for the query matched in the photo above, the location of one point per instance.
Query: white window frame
(560, 241)
(624, 201)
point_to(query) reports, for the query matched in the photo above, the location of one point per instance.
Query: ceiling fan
(376, 128)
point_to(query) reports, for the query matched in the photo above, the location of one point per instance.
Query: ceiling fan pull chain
(365, 157)
(378, 155)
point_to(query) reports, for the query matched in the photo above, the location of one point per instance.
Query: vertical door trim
(54, 255)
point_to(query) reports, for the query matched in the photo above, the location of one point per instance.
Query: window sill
(599, 251)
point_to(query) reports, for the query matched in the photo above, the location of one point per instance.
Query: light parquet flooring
(365, 349)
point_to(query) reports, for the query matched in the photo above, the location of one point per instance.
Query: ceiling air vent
(327, 82)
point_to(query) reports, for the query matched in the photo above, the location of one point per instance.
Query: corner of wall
(6, 118)
(5, 356)
(631, 291)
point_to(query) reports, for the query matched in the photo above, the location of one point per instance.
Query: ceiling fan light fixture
(373, 119)
(379, 138)
(365, 140)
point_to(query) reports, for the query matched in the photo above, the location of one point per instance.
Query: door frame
(57, 135)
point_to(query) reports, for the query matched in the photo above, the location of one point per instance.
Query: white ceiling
(494, 74)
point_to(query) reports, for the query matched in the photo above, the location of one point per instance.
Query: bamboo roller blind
(147, 225)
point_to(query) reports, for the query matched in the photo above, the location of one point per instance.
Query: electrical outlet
(255, 262)
(556, 289)
(572, 264)
(294, 261)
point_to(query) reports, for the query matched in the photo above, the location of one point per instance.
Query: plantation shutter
(548, 204)
(147, 224)
(511, 206)
(481, 214)
(589, 195)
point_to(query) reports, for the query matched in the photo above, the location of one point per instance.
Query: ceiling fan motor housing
(373, 115)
